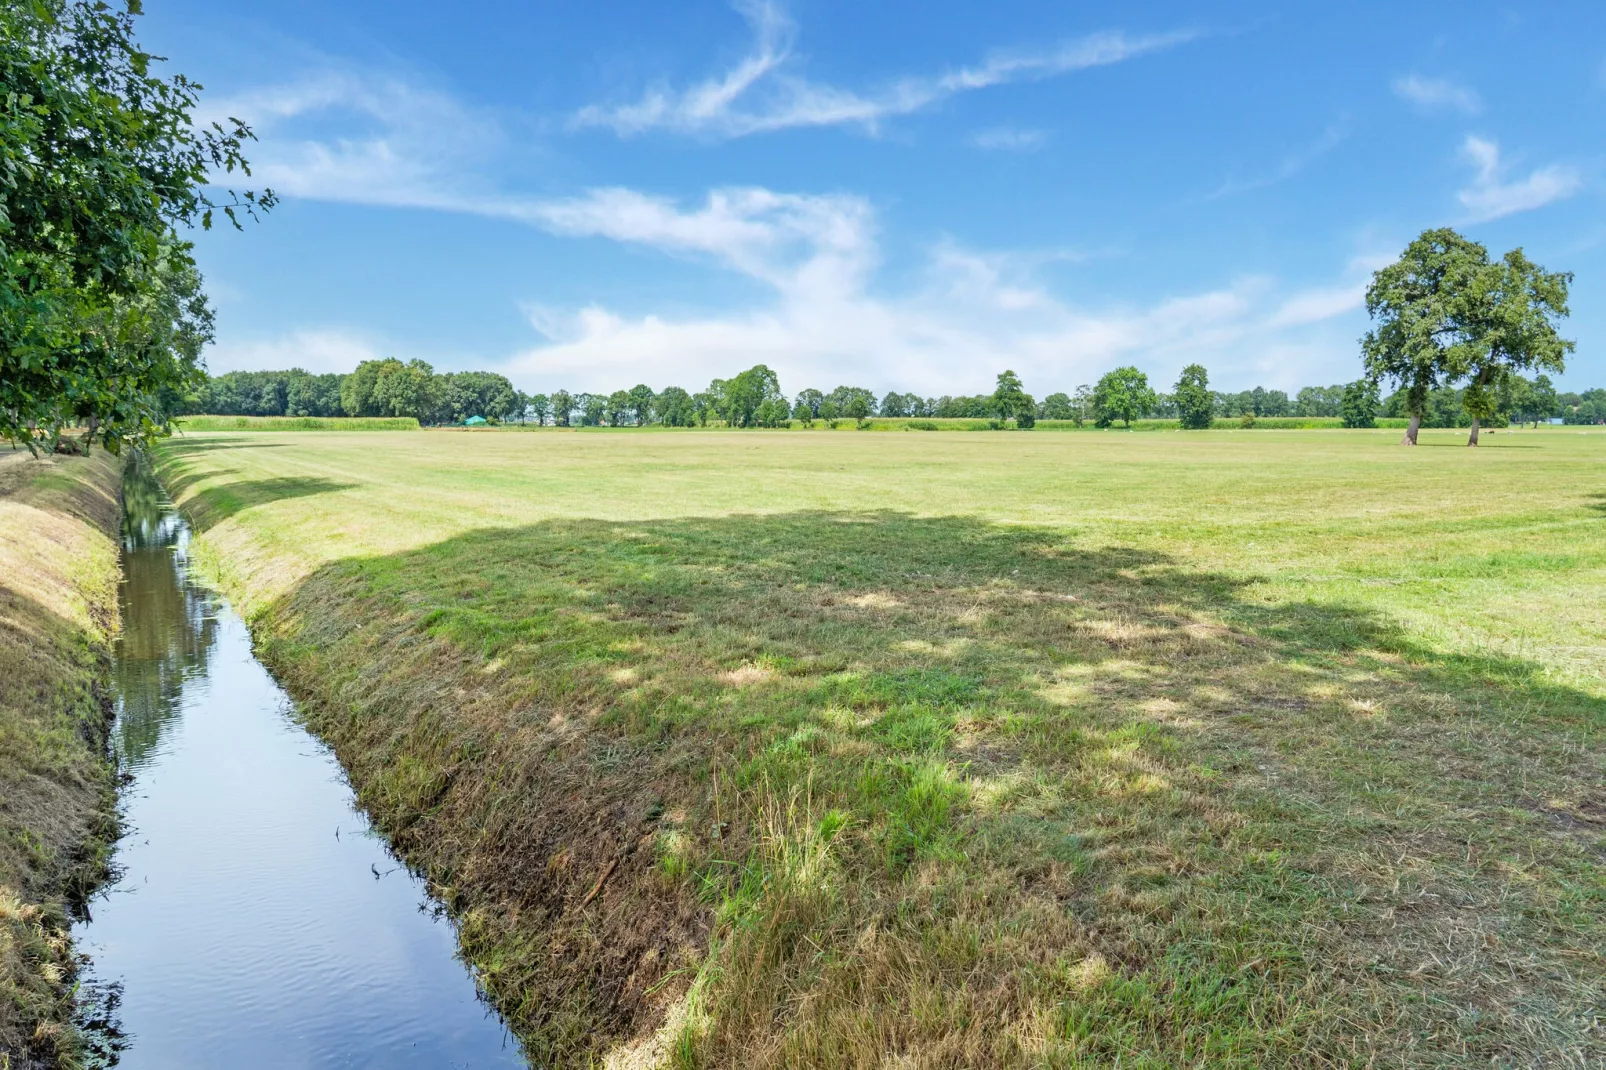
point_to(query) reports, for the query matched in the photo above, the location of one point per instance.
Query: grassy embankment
(1212, 750)
(58, 613)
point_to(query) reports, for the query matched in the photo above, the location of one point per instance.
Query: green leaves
(1013, 402)
(1445, 313)
(1124, 395)
(1195, 404)
(101, 310)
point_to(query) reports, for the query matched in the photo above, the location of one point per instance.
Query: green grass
(776, 749)
(295, 423)
(58, 613)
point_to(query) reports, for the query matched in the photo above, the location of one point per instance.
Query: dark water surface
(257, 921)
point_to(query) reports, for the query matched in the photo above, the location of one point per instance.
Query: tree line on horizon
(754, 399)
(1454, 333)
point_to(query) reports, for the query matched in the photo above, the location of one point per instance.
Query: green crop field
(1007, 749)
(296, 423)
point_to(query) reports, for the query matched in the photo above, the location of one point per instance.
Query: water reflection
(168, 623)
(258, 921)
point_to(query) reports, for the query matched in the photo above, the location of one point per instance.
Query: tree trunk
(1411, 430)
(1472, 439)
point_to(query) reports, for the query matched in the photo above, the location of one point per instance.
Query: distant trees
(562, 406)
(673, 408)
(1056, 406)
(1012, 402)
(1588, 407)
(749, 399)
(858, 408)
(1122, 394)
(1195, 406)
(1536, 401)
(1320, 401)
(1359, 404)
(1494, 390)
(641, 404)
(1256, 402)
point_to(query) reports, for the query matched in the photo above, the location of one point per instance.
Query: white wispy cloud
(1010, 138)
(1488, 197)
(317, 349)
(399, 145)
(1437, 94)
(1286, 168)
(762, 92)
(826, 321)
(827, 316)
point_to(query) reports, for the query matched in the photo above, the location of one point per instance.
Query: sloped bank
(58, 615)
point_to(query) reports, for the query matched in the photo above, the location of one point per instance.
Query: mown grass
(790, 750)
(296, 423)
(58, 614)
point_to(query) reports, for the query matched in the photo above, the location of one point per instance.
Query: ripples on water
(257, 920)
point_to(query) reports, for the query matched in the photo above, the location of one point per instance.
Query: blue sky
(899, 195)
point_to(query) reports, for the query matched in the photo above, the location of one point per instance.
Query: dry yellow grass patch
(58, 613)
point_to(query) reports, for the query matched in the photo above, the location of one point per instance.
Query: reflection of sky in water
(249, 928)
(168, 623)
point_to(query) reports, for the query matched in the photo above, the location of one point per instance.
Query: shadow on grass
(602, 739)
(180, 445)
(217, 502)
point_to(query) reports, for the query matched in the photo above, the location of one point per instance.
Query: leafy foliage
(1123, 395)
(102, 316)
(1195, 407)
(1012, 402)
(1422, 338)
(1359, 405)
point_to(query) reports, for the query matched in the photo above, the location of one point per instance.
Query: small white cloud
(1490, 198)
(1290, 165)
(761, 93)
(400, 146)
(1438, 94)
(318, 349)
(1010, 139)
(1316, 306)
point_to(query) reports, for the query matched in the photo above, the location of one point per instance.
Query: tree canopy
(102, 315)
(1122, 394)
(1422, 337)
(1191, 395)
(1513, 309)
(1013, 402)
(1445, 312)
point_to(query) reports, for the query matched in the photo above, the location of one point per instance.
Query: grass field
(58, 614)
(775, 749)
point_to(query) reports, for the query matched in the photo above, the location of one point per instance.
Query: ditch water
(257, 920)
